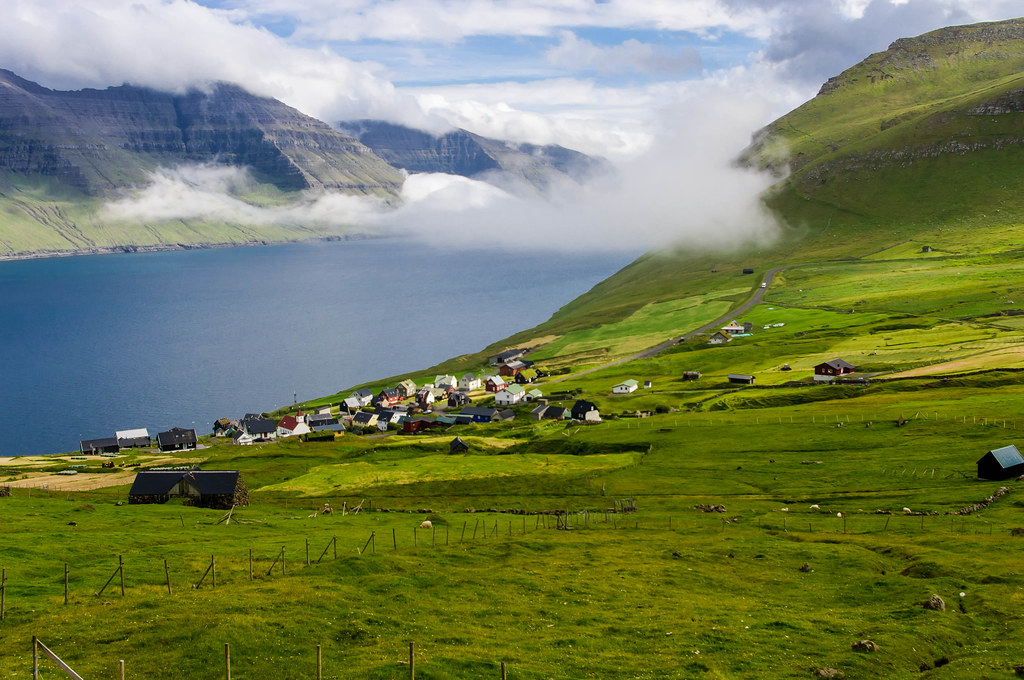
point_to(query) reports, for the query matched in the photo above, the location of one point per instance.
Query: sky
(656, 86)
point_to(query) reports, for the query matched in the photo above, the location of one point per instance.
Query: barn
(999, 464)
(219, 489)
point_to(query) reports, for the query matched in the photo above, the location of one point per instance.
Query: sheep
(815, 507)
(426, 524)
(906, 511)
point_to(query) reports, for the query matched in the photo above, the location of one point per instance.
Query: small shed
(999, 464)
(691, 375)
(740, 379)
(458, 445)
(719, 338)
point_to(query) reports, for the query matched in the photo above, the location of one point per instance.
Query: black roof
(479, 411)
(837, 363)
(362, 392)
(320, 419)
(103, 443)
(255, 426)
(177, 435)
(362, 417)
(209, 482)
(155, 482)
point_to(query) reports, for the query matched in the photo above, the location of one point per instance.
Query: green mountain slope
(921, 145)
(932, 128)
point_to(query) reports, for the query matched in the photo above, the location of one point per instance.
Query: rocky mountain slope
(930, 128)
(460, 152)
(98, 141)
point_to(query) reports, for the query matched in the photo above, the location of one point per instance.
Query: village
(408, 408)
(509, 391)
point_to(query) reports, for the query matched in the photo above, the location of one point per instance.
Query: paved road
(658, 349)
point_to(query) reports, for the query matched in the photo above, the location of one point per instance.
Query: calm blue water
(94, 344)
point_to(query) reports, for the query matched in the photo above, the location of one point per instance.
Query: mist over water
(101, 343)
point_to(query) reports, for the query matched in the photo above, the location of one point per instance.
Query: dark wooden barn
(999, 464)
(220, 489)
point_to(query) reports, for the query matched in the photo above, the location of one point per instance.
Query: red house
(831, 369)
(495, 384)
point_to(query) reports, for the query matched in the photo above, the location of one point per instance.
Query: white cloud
(208, 192)
(178, 44)
(452, 20)
(631, 55)
(683, 190)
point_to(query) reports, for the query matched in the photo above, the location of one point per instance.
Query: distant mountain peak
(460, 152)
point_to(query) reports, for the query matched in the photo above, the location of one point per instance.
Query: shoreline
(167, 247)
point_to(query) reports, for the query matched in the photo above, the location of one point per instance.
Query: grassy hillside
(776, 525)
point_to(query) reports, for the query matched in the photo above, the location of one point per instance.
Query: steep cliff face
(98, 141)
(463, 153)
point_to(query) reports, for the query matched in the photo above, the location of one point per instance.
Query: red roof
(288, 423)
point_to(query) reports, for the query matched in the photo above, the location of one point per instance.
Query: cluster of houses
(174, 439)
(406, 404)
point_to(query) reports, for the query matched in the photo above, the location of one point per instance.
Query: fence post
(394, 538)
(65, 583)
(121, 668)
(3, 594)
(319, 664)
(284, 570)
(120, 568)
(227, 661)
(502, 671)
(412, 661)
(167, 575)
(250, 564)
(307, 552)
(35, 658)
(213, 566)
(334, 541)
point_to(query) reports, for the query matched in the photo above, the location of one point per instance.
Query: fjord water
(95, 344)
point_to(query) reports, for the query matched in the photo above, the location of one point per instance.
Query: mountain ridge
(465, 153)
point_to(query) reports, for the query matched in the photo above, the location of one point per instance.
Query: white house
(469, 382)
(445, 380)
(362, 396)
(626, 386)
(733, 328)
(533, 395)
(289, 426)
(511, 395)
(242, 438)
